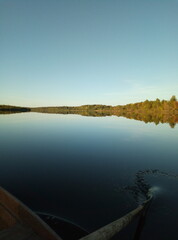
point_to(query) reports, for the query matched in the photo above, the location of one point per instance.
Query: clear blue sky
(74, 52)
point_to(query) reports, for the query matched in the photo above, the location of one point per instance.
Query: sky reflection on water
(70, 165)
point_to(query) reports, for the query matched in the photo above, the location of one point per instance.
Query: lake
(75, 167)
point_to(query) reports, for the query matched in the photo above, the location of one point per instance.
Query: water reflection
(154, 117)
(69, 166)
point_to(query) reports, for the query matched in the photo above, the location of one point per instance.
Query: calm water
(73, 167)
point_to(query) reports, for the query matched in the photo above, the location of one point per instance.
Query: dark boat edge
(23, 215)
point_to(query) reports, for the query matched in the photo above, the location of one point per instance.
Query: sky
(75, 52)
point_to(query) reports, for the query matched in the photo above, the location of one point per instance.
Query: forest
(158, 111)
(6, 109)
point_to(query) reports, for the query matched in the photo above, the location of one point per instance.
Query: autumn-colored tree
(173, 98)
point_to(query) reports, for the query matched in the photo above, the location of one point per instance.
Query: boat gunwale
(25, 216)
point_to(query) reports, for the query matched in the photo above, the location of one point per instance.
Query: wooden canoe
(18, 222)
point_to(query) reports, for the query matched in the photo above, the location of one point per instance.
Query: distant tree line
(152, 106)
(13, 109)
(165, 111)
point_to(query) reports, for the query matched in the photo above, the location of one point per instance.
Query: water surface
(73, 167)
